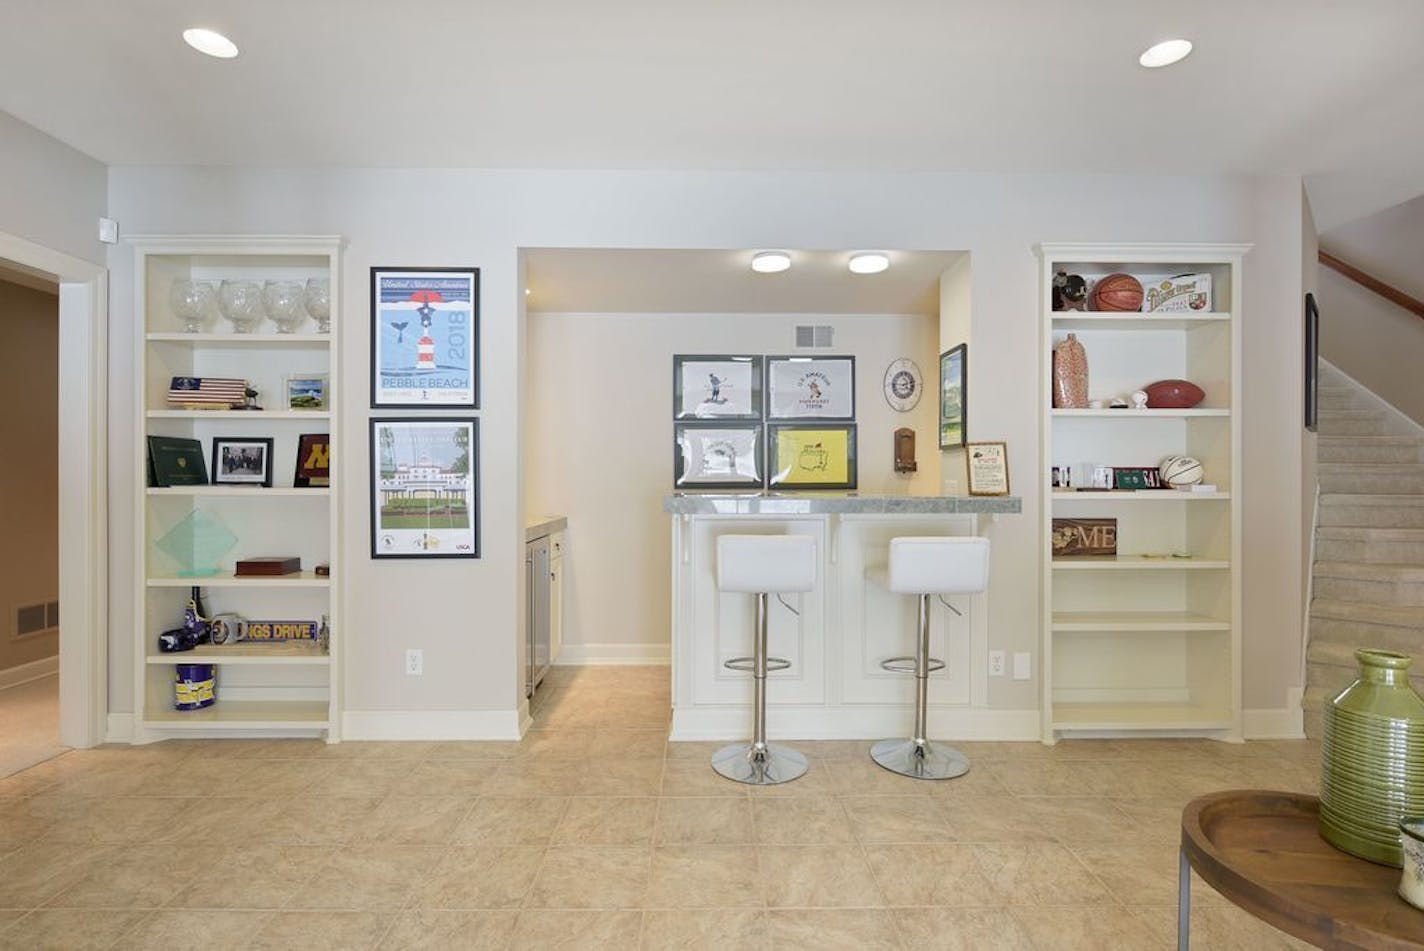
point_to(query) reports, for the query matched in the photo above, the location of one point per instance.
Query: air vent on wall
(36, 618)
(813, 335)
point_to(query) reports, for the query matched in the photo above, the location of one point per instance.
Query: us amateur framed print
(810, 388)
(717, 456)
(953, 392)
(425, 337)
(425, 487)
(988, 464)
(811, 456)
(716, 387)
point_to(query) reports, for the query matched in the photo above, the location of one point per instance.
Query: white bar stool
(925, 567)
(762, 565)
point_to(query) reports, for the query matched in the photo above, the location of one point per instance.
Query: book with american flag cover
(207, 392)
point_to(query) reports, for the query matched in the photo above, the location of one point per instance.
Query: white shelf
(1137, 563)
(240, 491)
(1065, 622)
(240, 340)
(1141, 413)
(244, 652)
(243, 715)
(301, 579)
(246, 414)
(1141, 495)
(1139, 716)
(1078, 320)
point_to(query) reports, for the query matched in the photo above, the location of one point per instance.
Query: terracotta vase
(1372, 759)
(1070, 374)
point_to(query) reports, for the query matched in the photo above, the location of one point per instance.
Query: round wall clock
(903, 384)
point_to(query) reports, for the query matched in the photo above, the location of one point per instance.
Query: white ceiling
(1321, 87)
(607, 281)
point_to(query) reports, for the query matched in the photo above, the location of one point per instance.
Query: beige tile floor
(594, 832)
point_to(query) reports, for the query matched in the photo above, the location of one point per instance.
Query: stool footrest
(906, 665)
(748, 664)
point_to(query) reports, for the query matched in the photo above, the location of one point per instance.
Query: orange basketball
(1117, 292)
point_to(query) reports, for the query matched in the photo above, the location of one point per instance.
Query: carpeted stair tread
(1390, 615)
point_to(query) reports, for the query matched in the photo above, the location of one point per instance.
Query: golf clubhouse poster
(425, 333)
(424, 495)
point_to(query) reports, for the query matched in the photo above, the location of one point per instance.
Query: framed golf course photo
(425, 487)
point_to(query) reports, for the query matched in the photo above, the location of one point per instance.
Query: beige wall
(1310, 283)
(599, 437)
(1373, 341)
(49, 193)
(29, 480)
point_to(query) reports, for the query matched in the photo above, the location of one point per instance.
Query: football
(1173, 394)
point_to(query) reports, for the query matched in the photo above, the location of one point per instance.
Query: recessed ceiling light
(1165, 53)
(770, 262)
(868, 262)
(211, 42)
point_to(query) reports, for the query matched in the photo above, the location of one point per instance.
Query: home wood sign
(1075, 537)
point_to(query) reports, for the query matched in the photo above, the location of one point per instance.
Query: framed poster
(988, 468)
(809, 456)
(425, 487)
(810, 388)
(717, 456)
(425, 337)
(720, 387)
(242, 460)
(953, 396)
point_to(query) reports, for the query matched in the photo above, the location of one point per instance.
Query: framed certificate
(988, 468)
(716, 387)
(717, 456)
(810, 388)
(425, 337)
(810, 456)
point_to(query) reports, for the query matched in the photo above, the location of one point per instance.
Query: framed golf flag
(425, 337)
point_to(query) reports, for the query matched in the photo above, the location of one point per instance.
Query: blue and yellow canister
(194, 686)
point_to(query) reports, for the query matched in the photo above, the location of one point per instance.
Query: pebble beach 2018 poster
(425, 338)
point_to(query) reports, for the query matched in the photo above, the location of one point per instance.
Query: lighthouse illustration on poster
(425, 337)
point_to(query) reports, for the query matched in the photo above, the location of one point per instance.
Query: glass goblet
(284, 303)
(241, 303)
(191, 302)
(318, 303)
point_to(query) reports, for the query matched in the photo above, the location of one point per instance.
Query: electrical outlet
(996, 663)
(1023, 666)
(415, 662)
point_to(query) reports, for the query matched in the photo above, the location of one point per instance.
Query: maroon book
(269, 565)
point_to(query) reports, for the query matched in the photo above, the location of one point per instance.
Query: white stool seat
(752, 564)
(954, 565)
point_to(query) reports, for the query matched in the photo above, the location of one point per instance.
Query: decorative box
(1184, 293)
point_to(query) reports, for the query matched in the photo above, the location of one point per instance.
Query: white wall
(599, 436)
(51, 194)
(1373, 341)
(470, 613)
(1310, 284)
(956, 326)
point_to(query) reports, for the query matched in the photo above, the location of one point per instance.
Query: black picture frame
(686, 366)
(435, 485)
(455, 382)
(842, 365)
(777, 468)
(233, 461)
(954, 397)
(312, 448)
(691, 439)
(1312, 363)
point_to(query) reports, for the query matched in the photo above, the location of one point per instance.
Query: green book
(174, 460)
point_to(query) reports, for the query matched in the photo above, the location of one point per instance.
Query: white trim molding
(613, 655)
(1287, 723)
(24, 673)
(430, 725)
(120, 728)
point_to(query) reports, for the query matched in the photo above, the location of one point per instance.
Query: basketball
(1119, 292)
(1180, 470)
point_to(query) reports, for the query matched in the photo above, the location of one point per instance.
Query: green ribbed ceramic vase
(1372, 759)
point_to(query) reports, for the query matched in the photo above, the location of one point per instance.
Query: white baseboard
(430, 725)
(614, 655)
(119, 728)
(24, 673)
(1287, 723)
(861, 723)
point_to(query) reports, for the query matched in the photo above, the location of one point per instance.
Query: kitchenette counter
(537, 526)
(838, 503)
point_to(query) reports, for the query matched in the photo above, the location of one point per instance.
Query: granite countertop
(838, 503)
(537, 526)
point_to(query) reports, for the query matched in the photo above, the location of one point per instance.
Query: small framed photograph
(810, 456)
(313, 461)
(988, 464)
(307, 391)
(242, 460)
(425, 337)
(717, 456)
(716, 387)
(953, 396)
(425, 487)
(810, 388)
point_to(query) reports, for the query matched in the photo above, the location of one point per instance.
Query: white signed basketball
(1180, 470)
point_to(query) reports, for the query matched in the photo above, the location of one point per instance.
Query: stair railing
(1368, 281)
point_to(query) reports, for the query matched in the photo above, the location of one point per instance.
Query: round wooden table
(1263, 851)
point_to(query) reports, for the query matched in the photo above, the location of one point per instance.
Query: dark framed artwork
(718, 455)
(425, 337)
(811, 456)
(313, 461)
(425, 487)
(242, 460)
(716, 387)
(1312, 362)
(810, 388)
(953, 396)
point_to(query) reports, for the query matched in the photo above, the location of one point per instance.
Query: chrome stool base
(922, 760)
(772, 764)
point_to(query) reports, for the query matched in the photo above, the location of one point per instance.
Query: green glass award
(196, 544)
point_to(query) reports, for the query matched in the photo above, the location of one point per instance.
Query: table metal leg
(1184, 901)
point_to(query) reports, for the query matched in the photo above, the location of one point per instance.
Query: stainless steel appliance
(537, 578)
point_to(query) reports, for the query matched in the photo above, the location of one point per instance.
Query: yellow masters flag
(812, 457)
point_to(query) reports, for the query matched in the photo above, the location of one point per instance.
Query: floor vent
(814, 336)
(36, 618)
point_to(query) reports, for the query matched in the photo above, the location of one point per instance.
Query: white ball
(1180, 470)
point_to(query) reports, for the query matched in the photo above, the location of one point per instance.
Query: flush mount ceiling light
(1165, 53)
(770, 262)
(210, 42)
(868, 262)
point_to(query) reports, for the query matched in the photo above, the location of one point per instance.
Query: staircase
(1368, 576)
